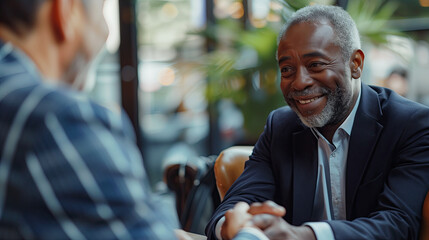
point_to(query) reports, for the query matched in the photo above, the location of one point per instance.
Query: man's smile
(306, 101)
(310, 105)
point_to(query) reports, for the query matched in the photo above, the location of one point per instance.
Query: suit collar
(304, 175)
(370, 103)
(365, 134)
(11, 55)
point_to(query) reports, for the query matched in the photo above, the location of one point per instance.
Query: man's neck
(329, 130)
(36, 47)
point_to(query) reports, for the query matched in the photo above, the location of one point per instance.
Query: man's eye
(316, 65)
(287, 69)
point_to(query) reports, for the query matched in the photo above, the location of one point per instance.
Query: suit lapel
(365, 133)
(305, 175)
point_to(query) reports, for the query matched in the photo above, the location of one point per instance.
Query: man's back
(69, 168)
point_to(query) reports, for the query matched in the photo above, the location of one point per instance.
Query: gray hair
(347, 35)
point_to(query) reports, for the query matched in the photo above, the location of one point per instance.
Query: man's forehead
(308, 40)
(316, 34)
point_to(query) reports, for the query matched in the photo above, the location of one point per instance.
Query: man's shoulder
(399, 114)
(23, 89)
(283, 112)
(24, 95)
(283, 120)
(37, 100)
(284, 115)
(33, 97)
(393, 104)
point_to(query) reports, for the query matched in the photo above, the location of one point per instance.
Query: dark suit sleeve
(256, 184)
(398, 211)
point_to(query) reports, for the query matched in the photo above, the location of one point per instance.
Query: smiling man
(315, 79)
(346, 160)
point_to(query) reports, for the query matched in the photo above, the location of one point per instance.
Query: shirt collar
(347, 125)
(7, 48)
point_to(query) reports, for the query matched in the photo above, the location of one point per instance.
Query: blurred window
(172, 106)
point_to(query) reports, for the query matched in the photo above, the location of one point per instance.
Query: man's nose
(302, 79)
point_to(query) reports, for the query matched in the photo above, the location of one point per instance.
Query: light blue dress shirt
(330, 196)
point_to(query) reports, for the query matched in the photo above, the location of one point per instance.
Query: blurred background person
(398, 81)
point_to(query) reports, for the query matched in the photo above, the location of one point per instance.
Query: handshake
(265, 217)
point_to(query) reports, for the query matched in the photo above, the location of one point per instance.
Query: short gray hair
(347, 35)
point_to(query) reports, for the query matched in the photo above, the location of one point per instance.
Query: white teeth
(308, 101)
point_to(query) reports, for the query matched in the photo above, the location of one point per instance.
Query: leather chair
(424, 232)
(229, 165)
(180, 178)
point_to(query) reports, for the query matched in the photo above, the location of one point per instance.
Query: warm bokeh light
(273, 17)
(220, 8)
(424, 3)
(258, 23)
(236, 10)
(275, 6)
(167, 76)
(170, 10)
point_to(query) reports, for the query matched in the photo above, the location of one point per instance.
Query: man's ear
(61, 11)
(356, 63)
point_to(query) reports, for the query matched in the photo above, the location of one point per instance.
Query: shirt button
(333, 154)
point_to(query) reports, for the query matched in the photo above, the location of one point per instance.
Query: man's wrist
(255, 232)
(322, 230)
(306, 232)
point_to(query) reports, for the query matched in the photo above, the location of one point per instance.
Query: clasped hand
(267, 217)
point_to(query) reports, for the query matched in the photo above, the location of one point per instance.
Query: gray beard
(334, 112)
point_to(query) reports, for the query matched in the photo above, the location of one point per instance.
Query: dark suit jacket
(387, 169)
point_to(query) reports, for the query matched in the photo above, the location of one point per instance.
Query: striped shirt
(69, 168)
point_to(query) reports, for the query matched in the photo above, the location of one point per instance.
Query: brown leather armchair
(424, 233)
(229, 165)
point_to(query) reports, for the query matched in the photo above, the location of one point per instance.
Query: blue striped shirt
(69, 168)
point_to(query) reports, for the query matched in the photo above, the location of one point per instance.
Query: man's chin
(311, 122)
(77, 74)
(315, 120)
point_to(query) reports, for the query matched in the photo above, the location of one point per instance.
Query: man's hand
(268, 217)
(275, 227)
(182, 235)
(267, 207)
(235, 219)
